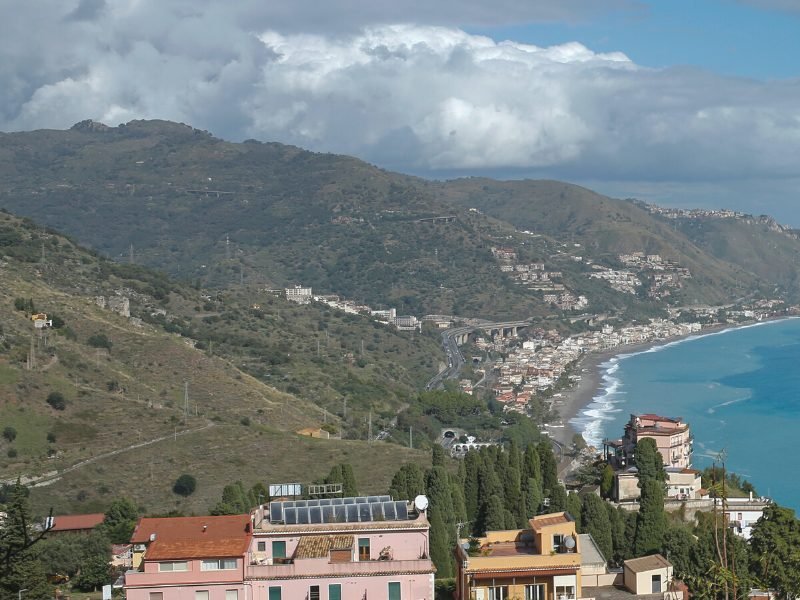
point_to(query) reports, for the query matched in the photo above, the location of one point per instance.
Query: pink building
(356, 549)
(333, 549)
(189, 558)
(671, 435)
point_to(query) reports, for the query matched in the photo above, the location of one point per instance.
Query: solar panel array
(361, 509)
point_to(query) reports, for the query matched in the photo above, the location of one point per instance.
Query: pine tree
(651, 522)
(594, 521)
(19, 567)
(119, 520)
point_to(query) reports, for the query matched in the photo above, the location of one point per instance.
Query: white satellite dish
(421, 503)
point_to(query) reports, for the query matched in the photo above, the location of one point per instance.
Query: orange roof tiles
(76, 522)
(194, 537)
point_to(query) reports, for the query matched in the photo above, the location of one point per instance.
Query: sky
(679, 102)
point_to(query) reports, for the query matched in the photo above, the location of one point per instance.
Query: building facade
(541, 562)
(370, 548)
(672, 437)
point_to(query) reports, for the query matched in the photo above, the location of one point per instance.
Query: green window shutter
(335, 591)
(274, 593)
(394, 591)
(279, 549)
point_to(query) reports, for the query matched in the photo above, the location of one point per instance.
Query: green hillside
(97, 403)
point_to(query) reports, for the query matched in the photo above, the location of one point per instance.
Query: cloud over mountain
(426, 98)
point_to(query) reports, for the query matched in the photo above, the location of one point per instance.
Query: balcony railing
(322, 567)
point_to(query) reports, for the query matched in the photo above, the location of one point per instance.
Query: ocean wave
(712, 409)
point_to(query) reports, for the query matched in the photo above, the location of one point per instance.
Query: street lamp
(19, 593)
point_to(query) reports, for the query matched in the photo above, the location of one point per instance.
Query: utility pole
(186, 401)
(370, 424)
(344, 409)
(227, 247)
(130, 257)
(411, 437)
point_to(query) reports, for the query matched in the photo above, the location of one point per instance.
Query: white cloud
(428, 99)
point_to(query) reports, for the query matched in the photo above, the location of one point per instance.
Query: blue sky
(727, 37)
(678, 102)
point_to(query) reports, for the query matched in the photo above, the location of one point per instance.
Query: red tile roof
(76, 522)
(547, 520)
(194, 537)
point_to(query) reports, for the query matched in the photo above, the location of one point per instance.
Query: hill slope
(122, 424)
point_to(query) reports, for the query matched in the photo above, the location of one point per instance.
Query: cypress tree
(472, 466)
(533, 498)
(512, 483)
(575, 508)
(494, 518)
(594, 520)
(616, 519)
(457, 494)
(349, 486)
(558, 499)
(437, 456)
(531, 465)
(651, 522)
(549, 468)
(649, 462)
(607, 482)
(440, 514)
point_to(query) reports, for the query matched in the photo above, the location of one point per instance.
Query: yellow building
(542, 562)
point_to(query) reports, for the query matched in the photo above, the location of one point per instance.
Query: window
(166, 567)
(335, 591)
(565, 592)
(231, 594)
(534, 592)
(262, 546)
(201, 595)
(156, 595)
(218, 564)
(274, 593)
(313, 592)
(498, 592)
(278, 549)
(363, 550)
(558, 541)
(394, 589)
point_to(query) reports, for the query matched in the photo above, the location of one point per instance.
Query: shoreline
(575, 400)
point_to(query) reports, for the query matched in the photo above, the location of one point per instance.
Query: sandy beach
(574, 400)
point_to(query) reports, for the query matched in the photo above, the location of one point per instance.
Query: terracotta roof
(318, 546)
(647, 563)
(193, 537)
(548, 520)
(76, 522)
(522, 572)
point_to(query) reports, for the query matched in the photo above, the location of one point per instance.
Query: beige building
(648, 574)
(672, 436)
(541, 562)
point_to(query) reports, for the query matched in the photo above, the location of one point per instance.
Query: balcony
(323, 568)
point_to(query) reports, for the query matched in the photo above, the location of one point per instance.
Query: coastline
(575, 400)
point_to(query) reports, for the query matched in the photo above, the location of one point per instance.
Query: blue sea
(739, 390)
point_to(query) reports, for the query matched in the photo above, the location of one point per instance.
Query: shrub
(185, 485)
(99, 340)
(57, 400)
(10, 434)
(12, 453)
(51, 437)
(245, 421)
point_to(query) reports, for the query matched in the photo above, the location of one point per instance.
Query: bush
(57, 400)
(10, 434)
(245, 421)
(51, 437)
(12, 453)
(99, 340)
(185, 485)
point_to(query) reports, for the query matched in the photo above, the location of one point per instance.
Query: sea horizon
(733, 387)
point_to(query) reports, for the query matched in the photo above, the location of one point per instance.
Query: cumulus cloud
(421, 98)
